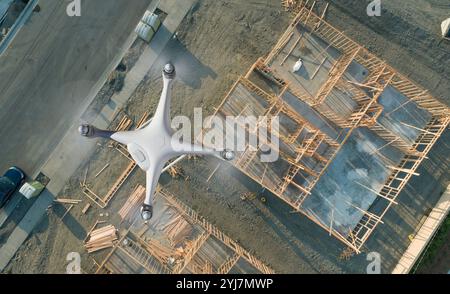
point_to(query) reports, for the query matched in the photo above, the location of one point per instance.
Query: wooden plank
(102, 170)
(67, 201)
(86, 208)
(214, 172)
(67, 211)
(132, 202)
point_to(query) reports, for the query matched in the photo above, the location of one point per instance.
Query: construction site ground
(216, 43)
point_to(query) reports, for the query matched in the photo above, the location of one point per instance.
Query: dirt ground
(217, 42)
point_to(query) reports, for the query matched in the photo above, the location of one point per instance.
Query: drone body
(153, 145)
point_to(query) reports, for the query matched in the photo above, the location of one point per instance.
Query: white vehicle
(152, 146)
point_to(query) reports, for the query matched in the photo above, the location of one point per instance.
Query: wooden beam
(85, 175)
(67, 201)
(365, 86)
(376, 217)
(198, 243)
(86, 208)
(408, 171)
(213, 173)
(102, 170)
(331, 222)
(322, 16)
(292, 49)
(318, 68)
(387, 144)
(419, 129)
(377, 193)
(67, 212)
(399, 107)
(228, 264)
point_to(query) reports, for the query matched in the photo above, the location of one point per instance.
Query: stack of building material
(177, 230)
(133, 203)
(101, 239)
(161, 252)
(124, 124)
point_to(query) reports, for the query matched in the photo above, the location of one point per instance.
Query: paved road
(8, 209)
(50, 71)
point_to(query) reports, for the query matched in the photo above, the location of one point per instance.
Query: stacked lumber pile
(177, 230)
(133, 203)
(101, 239)
(143, 119)
(248, 196)
(124, 124)
(161, 252)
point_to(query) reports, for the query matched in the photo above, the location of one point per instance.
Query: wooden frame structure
(304, 151)
(365, 111)
(145, 254)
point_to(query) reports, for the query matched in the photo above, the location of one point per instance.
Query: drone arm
(152, 178)
(90, 131)
(162, 114)
(124, 138)
(193, 149)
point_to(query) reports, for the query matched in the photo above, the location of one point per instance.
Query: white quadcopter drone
(152, 146)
